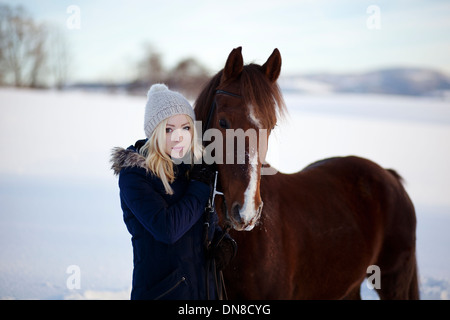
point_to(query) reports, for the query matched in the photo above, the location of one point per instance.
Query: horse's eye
(224, 124)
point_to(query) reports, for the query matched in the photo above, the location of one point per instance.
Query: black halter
(209, 210)
(213, 107)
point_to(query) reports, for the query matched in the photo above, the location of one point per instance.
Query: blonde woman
(163, 204)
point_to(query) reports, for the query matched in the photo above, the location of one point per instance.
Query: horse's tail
(401, 281)
(414, 284)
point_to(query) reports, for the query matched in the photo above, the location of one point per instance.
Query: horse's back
(372, 189)
(369, 182)
(349, 213)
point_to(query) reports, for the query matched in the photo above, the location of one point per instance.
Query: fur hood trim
(123, 158)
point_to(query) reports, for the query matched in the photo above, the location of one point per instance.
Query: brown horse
(319, 229)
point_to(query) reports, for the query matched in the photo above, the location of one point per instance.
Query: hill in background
(398, 81)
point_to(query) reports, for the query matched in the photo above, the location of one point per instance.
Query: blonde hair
(159, 162)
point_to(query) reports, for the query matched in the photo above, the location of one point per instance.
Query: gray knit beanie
(163, 103)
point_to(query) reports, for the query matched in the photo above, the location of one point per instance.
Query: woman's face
(178, 135)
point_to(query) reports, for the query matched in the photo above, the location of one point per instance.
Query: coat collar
(123, 158)
(127, 158)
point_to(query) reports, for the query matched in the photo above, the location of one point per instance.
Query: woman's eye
(224, 124)
(187, 128)
(169, 130)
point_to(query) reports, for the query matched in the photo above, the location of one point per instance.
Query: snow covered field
(59, 203)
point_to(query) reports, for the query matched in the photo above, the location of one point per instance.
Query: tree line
(35, 54)
(188, 76)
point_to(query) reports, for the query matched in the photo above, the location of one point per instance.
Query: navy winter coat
(167, 230)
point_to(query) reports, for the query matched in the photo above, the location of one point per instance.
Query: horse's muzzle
(239, 223)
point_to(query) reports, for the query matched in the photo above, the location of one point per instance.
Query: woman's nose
(177, 136)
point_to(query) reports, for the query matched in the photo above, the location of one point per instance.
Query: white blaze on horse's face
(252, 116)
(249, 213)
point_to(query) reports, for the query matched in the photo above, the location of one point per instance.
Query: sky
(312, 35)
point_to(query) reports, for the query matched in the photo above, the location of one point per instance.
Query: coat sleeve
(166, 223)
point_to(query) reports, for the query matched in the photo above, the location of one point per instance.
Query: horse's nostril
(260, 208)
(235, 211)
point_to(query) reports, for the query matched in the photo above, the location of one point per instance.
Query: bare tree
(59, 56)
(16, 41)
(38, 54)
(188, 76)
(151, 69)
(24, 50)
(3, 67)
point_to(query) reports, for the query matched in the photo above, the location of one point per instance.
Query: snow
(59, 201)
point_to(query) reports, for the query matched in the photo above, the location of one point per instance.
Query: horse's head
(242, 103)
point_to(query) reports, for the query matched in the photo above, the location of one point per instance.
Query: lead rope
(220, 285)
(210, 263)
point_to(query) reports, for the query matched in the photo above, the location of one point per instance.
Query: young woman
(164, 204)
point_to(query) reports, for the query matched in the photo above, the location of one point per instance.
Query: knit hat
(163, 103)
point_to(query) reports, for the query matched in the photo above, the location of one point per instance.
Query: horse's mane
(256, 90)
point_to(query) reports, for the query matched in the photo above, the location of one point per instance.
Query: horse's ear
(234, 65)
(272, 67)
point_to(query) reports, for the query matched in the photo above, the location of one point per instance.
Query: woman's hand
(224, 252)
(203, 173)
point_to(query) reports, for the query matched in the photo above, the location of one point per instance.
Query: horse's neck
(270, 188)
